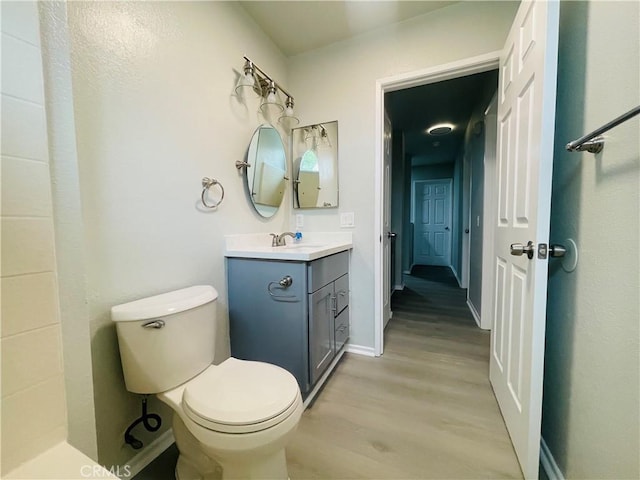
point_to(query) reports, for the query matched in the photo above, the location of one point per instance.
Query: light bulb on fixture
(270, 100)
(288, 119)
(247, 80)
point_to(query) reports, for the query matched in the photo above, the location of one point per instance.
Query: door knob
(518, 249)
(446, 228)
(557, 250)
(391, 234)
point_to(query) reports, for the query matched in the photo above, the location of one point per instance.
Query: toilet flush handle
(154, 324)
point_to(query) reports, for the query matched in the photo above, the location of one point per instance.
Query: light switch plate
(299, 220)
(347, 220)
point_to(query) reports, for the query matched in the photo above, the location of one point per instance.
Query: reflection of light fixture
(324, 137)
(440, 129)
(318, 135)
(267, 89)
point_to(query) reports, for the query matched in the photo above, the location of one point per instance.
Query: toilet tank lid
(164, 304)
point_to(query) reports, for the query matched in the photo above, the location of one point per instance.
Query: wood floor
(424, 409)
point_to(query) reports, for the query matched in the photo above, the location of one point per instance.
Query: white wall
(592, 366)
(338, 83)
(33, 390)
(154, 113)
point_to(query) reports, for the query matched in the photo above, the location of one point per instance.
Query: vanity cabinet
(328, 282)
(294, 314)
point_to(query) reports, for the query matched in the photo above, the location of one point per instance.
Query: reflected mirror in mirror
(266, 171)
(315, 166)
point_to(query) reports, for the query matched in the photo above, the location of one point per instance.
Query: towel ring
(207, 183)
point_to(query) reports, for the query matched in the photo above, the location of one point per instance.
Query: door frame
(448, 181)
(447, 71)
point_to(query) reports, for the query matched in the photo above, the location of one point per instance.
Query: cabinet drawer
(342, 292)
(325, 270)
(342, 329)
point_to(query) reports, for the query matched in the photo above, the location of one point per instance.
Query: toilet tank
(167, 339)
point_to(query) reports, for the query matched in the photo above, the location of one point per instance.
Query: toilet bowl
(231, 420)
(242, 414)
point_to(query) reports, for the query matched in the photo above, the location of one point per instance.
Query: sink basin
(259, 246)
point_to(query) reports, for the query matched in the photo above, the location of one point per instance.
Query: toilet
(231, 420)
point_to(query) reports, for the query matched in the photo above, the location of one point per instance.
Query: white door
(432, 223)
(386, 227)
(526, 114)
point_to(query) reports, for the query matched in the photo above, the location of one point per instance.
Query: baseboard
(455, 274)
(549, 463)
(360, 350)
(149, 454)
(474, 312)
(407, 272)
(398, 287)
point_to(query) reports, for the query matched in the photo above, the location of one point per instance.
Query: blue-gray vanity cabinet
(299, 326)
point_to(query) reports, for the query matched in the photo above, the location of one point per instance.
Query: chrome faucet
(279, 240)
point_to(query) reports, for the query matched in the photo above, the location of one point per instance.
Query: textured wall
(154, 113)
(592, 366)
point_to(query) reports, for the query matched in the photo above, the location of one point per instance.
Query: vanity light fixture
(440, 129)
(256, 79)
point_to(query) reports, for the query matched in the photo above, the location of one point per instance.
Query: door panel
(525, 157)
(387, 245)
(321, 331)
(432, 234)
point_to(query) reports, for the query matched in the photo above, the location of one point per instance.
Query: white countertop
(312, 246)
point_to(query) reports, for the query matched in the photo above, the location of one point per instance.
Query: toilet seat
(240, 396)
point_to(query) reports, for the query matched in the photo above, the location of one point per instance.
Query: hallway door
(387, 245)
(432, 222)
(526, 117)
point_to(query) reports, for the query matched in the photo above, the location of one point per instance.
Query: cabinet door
(321, 331)
(268, 323)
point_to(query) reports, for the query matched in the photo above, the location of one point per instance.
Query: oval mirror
(266, 171)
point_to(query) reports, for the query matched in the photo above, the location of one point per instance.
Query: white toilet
(237, 416)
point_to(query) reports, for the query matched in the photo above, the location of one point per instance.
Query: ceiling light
(440, 129)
